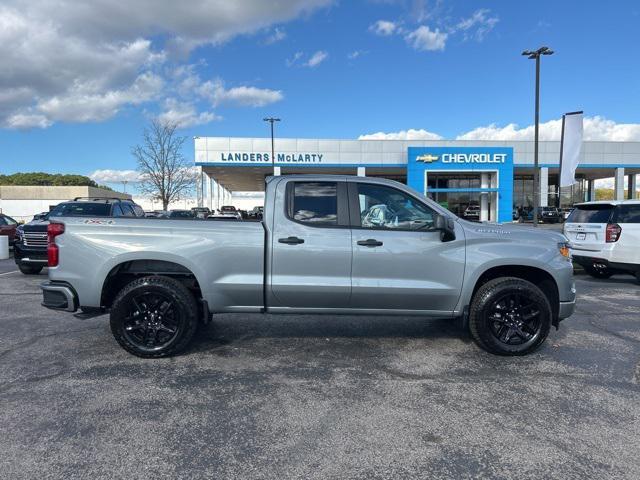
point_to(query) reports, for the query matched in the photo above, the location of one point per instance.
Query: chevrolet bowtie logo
(427, 158)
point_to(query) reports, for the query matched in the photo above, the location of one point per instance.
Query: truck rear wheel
(509, 316)
(29, 269)
(154, 317)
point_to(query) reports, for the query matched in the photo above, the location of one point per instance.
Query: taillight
(53, 230)
(613, 232)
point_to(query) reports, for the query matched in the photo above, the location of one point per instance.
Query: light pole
(535, 55)
(272, 120)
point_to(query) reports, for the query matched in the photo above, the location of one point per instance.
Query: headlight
(563, 248)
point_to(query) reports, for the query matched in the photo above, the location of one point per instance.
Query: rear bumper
(59, 296)
(587, 261)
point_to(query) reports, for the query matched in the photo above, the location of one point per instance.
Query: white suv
(605, 237)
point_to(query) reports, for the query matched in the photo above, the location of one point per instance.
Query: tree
(164, 172)
(48, 179)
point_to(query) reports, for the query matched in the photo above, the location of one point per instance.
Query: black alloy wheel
(152, 322)
(154, 317)
(514, 319)
(509, 316)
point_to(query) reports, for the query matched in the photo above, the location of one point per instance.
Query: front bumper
(566, 309)
(59, 296)
(29, 255)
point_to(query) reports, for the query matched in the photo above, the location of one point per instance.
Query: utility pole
(535, 55)
(272, 120)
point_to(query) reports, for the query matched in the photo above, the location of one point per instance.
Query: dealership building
(495, 175)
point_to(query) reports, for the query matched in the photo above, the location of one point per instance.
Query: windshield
(591, 214)
(81, 209)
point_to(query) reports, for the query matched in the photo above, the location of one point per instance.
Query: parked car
(550, 215)
(256, 213)
(8, 227)
(508, 284)
(605, 237)
(201, 212)
(30, 249)
(181, 214)
(472, 213)
(230, 210)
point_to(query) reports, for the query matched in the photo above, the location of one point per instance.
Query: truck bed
(227, 258)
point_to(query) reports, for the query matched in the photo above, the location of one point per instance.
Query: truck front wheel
(154, 317)
(509, 316)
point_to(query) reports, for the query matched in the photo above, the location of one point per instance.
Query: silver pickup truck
(326, 245)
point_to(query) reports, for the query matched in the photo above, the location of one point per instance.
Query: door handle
(291, 240)
(370, 242)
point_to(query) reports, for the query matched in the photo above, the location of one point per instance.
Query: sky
(79, 80)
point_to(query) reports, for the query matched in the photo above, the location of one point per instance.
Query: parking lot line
(7, 273)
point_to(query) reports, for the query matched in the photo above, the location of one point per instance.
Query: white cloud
(114, 176)
(245, 96)
(26, 120)
(294, 59)
(184, 114)
(356, 54)
(478, 25)
(410, 134)
(83, 61)
(384, 28)
(595, 129)
(277, 36)
(316, 59)
(425, 39)
(82, 103)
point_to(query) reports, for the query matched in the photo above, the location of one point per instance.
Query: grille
(35, 239)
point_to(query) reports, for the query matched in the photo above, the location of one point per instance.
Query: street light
(535, 55)
(272, 120)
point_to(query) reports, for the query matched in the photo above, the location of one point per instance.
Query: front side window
(315, 203)
(387, 208)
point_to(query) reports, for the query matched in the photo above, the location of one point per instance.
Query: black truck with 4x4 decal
(30, 248)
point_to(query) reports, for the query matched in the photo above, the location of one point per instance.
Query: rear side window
(627, 214)
(314, 203)
(81, 209)
(591, 214)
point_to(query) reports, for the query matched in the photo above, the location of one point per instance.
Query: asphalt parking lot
(320, 397)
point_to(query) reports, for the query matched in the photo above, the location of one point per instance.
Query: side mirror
(446, 227)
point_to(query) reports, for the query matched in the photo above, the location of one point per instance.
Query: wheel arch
(538, 276)
(128, 270)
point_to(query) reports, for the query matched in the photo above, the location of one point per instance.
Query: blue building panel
(465, 160)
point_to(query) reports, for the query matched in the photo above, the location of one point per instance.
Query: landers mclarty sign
(237, 157)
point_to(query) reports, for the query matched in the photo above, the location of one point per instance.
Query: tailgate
(586, 236)
(586, 227)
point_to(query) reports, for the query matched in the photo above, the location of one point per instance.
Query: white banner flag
(571, 145)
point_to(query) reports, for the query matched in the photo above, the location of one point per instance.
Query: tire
(154, 317)
(602, 273)
(638, 275)
(502, 320)
(30, 269)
